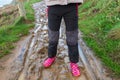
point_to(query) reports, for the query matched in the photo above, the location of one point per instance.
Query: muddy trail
(28, 64)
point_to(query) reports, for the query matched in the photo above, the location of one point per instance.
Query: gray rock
(66, 60)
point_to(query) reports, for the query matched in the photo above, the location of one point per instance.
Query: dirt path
(6, 61)
(27, 64)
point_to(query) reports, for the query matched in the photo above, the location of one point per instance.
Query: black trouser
(70, 14)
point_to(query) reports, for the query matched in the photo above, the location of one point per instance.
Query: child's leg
(71, 21)
(54, 21)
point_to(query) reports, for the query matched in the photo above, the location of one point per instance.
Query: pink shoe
(75, 69)
(48, 62)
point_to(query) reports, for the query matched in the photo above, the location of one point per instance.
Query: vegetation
(12, 33)
(100, 23)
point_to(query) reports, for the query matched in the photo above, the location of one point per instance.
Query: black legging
(70, 14)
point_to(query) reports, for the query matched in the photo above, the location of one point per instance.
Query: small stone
(38, 25)
(66, 47)
(66, 60)
(42, 14)
(64, 52)
(22, 77)
(61, 44)
(61, 41)
(46, 35)
(46, 44)
(41, 19)
(45, 27)
(61, 55)
(33, 57)
(80, 64)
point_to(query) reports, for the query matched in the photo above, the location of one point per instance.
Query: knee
(72, 37)
(53, 36)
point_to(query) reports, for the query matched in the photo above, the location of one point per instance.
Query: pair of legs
(70, 14)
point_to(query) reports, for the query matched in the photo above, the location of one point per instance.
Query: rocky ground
(6, 61)
(28, 64)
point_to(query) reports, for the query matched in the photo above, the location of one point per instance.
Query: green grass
(97, 19)
(29, 11)
(12, 33)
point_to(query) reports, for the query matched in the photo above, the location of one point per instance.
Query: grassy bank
(98, 19)
(12, 33)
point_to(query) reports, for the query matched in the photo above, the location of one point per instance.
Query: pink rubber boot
(75, 69)
(48, 62)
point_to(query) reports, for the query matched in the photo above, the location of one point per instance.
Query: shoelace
(74, 68)
(49, 61)
(74, 65)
